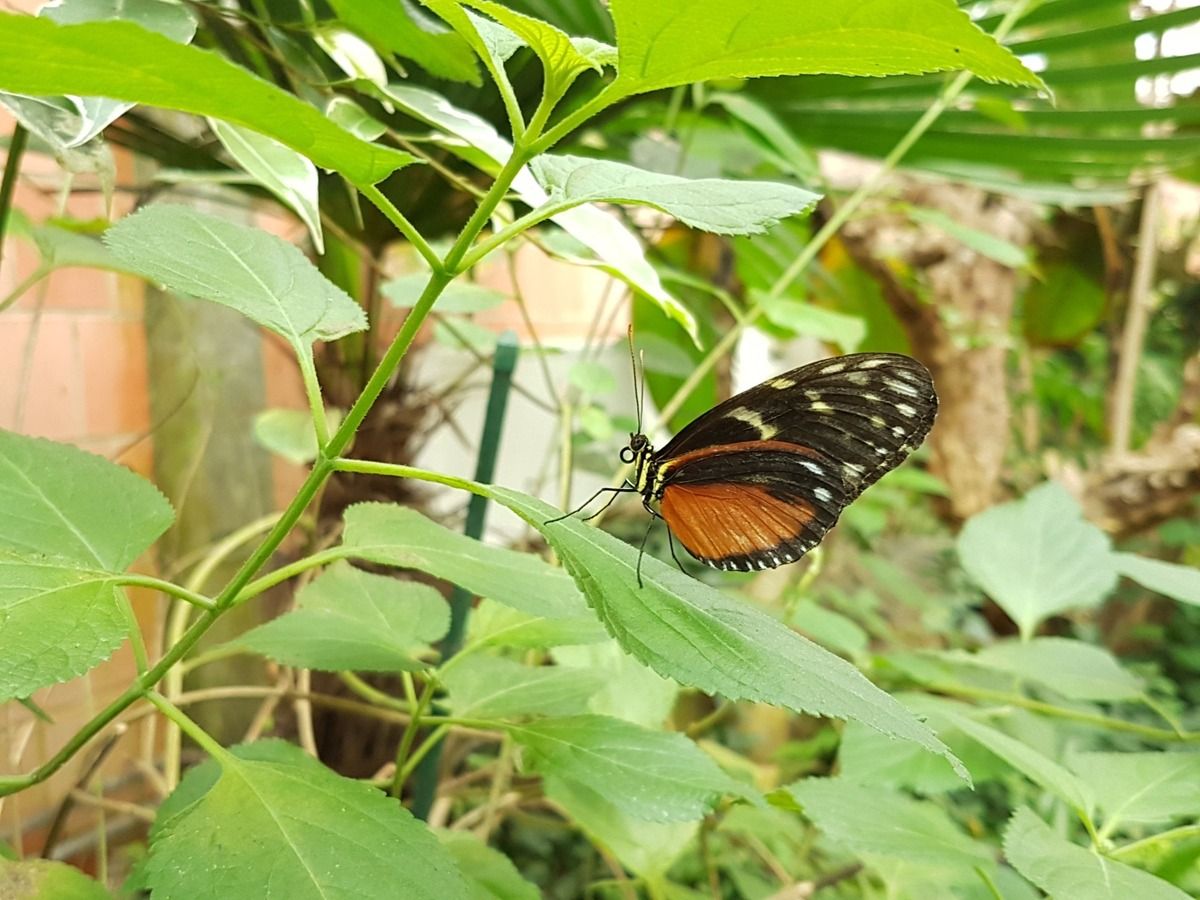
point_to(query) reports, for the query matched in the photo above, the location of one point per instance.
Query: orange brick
(53, 387)
(113, 356)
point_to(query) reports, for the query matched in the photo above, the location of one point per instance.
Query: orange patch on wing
(718, 520)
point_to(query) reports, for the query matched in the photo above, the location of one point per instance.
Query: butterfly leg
(671, 544)
(588, 502)
(642, 548)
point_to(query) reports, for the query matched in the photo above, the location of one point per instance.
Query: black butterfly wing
(758, 480)
(864, 412)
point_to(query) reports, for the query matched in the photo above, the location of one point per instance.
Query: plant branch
(167, 587)
(12, 168)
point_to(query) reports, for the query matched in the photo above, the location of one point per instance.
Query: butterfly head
(640, 454)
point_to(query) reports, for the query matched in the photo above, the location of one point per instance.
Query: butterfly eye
(627, 455)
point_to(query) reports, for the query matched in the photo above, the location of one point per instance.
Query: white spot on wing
(823, 495)
(905, 410)
(901, 388)
(754, 420)
(820, 406)
(812, 467)
(872, 398)
(833, 369)
(872, 363)
(859, 378)
(781, 384)
(878, 422)
(897, 431)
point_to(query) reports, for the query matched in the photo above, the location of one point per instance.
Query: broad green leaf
(458, 297)
(458, 333)
(86, 117)
(654, 775)
(60, 614)
(829, 629)
(348, 114)
(58, 499)
(1026, 760)
(867, 757)
(876, 821)
(1141, 787)
(44, 879)
(62, 247)
(123, 61)
(616, 248)
(275, 812)
(400, 27)
(1178, 582)
(686, 630)
(646, 848)
(681, 41)
(561, 59)
(473, 30)
(350, 619)
(395, 535)
(496, 625)
(57, 620)
(994, 248)
(288, 175)
(261, 276)
(490, 687)
(710, 204)
(289, 432)
(592, 378)
(1067, 871)
(1063, 306)
(630, 690)
(351, 54)
(1038, 556)
(1074, 669)
(490, 874)
(808, 319)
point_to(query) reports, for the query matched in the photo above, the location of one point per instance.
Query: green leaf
(683, 41)
(83, 508)
(1038, 556)
(396, 26)
(829, 628)
(1074, 669)
(490, 874)
(630, 690)
(867, 757)
(460, 296)
(57, 621)
(496, 625)
(646, 848)
(811, 320)
(686, 630)
(350, 619)
(123, 61)
(654, 775)
(1063, 306)
(289, 432)
(61, 248)
(349, 115)
(1178, 582)
(1141, 787)
(872, 820)
(562, 60)
(618, 250)
(1029, 762)
(258, 274)
(1065, 870)
(43, 879)
(275, 811)
(710, 204)
(987, 245)
(395, 535)
(489, 687)
(282, 171)
(592, 378)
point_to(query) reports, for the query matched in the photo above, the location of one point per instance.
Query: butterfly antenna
(637, 393)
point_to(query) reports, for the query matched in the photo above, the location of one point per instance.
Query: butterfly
(758, 480)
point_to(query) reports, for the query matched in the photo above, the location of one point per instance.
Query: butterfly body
(758, 480)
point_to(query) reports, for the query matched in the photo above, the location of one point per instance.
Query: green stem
(394, 470)
(410, 735)
(405, 227)
(136, 641)
(1175, 834)
(19, 291)
(1049, 709)
(187, 726)
(312, 390)
(374, 695)
(169, 588)
(419, 754)
(573, 120)
(283, 573)
(12, 168)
